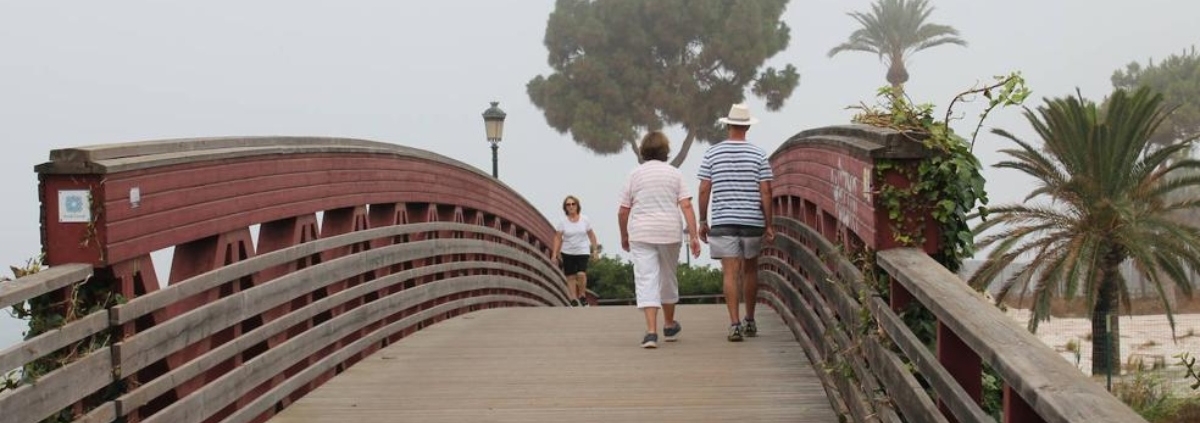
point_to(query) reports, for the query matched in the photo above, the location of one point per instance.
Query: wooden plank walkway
(575, 365)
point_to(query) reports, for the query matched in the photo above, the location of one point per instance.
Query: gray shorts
(735, 241)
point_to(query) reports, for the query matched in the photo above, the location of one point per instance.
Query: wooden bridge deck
(575, 365)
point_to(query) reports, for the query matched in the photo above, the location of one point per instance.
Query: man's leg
(730, 271)
(750, 285)
(729, 250)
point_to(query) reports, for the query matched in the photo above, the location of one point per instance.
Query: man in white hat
(736, 176)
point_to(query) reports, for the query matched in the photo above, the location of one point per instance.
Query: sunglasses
(570, 204)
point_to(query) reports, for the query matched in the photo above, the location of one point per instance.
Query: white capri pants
(654, 277)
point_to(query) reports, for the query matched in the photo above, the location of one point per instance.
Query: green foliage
(51, 311)
(894, 30)
(922, 323)
(993, 393)
(1145, 394)
(947, 186)
(1178, 79)
(699, 280)
(950, 181)
(612, 278)
(625, 67)
(1192, 375)
(1109, 195)
(1151, 395)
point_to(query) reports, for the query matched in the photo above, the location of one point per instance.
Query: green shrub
(611, 278)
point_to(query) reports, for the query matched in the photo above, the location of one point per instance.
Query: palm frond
(1113, 197)
(894, 29)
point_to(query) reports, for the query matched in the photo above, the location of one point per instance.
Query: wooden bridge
(318, 279)
(553, 364)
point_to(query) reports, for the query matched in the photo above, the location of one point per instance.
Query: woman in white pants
(651, 200)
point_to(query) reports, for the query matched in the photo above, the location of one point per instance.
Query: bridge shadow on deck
(575, 365)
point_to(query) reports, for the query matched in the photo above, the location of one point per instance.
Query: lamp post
(687, 247)
(493, 122)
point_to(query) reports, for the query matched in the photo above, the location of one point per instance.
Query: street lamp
(493, 122)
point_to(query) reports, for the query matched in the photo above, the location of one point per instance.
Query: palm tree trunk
(897, 74)
(1106, 333)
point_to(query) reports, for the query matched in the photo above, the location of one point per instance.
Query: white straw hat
(739, 114)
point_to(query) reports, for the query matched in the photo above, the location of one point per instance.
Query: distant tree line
(611, 278)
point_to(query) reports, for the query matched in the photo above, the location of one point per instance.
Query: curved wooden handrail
(223, 391)
(192, 188)
(845, 325)
(796, 272)
(162, 298)
(1057, 391)
(41, 283)
(408, 238)
(138, 351)
(268, 400)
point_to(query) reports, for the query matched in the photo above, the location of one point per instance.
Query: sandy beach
(1142, 337)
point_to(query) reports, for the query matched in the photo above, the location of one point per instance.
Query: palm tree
(1111, 201)
(894, 30)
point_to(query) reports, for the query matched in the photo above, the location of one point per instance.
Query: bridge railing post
(73, 218)
(1017, 410)
(962, 363)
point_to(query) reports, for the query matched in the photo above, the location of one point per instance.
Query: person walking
(574, 245)
(736, 176)
(651, 202)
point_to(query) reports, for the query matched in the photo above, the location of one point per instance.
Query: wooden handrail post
(963, 364)
(1016, 410)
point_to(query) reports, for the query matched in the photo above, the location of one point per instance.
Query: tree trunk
(897, 74)
(684, 148)
(637, 151)
(1106, 333)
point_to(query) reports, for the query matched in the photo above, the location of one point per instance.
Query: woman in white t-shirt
(652, 200)
(574, 245)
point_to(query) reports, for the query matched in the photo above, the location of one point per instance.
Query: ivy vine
(946, 186)
(53, 311)
(950, 180)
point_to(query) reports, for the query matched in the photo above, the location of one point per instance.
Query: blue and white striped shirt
(735, 168)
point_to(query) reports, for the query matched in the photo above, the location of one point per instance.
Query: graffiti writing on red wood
(846, 185)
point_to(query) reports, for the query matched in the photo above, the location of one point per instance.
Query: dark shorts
(574, 263)
(737, 230)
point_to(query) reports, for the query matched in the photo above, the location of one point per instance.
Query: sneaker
(573, 303)
(751, 329)
(735, 332)
(584, 302)
(672, 333)
(650, 340)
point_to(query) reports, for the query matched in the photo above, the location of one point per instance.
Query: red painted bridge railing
(875, 369)
(296, 257)
(293, 259)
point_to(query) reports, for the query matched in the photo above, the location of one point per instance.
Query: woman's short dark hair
(655, 146)
(572, 199)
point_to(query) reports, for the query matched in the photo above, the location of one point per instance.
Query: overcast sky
(75, 73)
